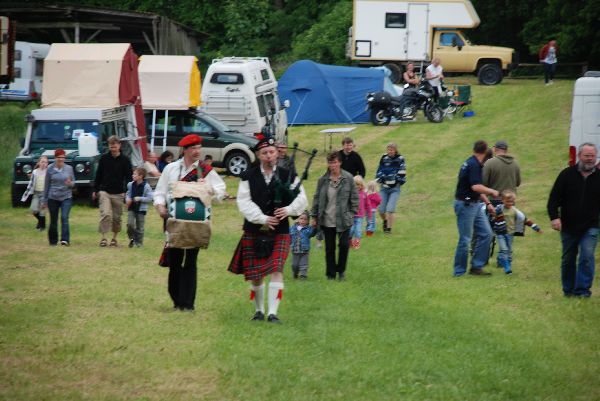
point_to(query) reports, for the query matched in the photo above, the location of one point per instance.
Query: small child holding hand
(300, 234)
(139, 195)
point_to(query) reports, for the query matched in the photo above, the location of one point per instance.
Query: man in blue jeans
(470, 215)
(573, 207)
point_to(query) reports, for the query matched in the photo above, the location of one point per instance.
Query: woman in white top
(36, 188)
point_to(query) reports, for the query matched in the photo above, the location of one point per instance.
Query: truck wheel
(396, 71)
(380, 117)
(434, 113)
(16, 193)
(236, 163)
(490, 74)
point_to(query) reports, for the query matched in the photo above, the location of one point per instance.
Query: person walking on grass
(137, 198)
(573, 207)
(114, 171)
(351, 160)
(36, 188)
(265, 243)
(334, 205)
(501, 172)
(549, 58)
(58, 195)
(508, 223)
(300, 234)
(470, 216)
(374, 202)
(364, 210)
(183, 262)
(391, 174)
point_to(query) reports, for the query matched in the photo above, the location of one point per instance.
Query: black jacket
(113, 174)
(576, 200)
(352, 163)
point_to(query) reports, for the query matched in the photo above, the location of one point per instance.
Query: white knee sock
(275, 294)
(257, 293)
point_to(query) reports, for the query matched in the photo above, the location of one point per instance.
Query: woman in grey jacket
(58, 194)
(334, 205)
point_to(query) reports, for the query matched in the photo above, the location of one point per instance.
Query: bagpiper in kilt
(265, 243)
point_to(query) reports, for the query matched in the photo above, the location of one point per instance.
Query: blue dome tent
(328, 94)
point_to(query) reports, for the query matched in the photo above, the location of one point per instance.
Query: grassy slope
(91, 323)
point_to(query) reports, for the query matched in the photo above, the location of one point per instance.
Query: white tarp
(83, 75)
(169, 82)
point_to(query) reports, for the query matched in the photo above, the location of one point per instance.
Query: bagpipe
(286, 191)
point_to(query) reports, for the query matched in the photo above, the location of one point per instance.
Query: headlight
(79, 167)
(27, 168)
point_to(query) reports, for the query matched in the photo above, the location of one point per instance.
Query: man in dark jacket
(351, 161)
(114, 171)
(573, 207)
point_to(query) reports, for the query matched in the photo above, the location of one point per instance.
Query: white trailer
(242, 92)
(28, 71)
(585, 116)
(394, 32)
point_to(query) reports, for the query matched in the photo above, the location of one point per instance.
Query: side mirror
(214, 134)
(460, 47)
(286, 104)
(454, 42)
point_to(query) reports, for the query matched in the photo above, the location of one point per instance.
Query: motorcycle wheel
(380, 117)
(434, 113)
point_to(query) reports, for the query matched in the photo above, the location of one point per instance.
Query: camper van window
(227, 79)
(395, 20)
(264, 74)
(262, 110)
(39, 67)
(17, 55)
(17, 72)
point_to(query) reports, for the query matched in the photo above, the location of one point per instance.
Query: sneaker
(387, 230)
(259, 316)
(508, 273)
(273, 319)
(342, 277)
(357, 244)
(385, 225)
(131, 242)
(64, 243)
(479, 272)
(369, 233)
(303, 277)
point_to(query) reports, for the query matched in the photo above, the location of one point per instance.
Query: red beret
(59, 152)
(190, 140)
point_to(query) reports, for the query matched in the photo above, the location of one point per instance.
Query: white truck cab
(585, 116)
(242, 92)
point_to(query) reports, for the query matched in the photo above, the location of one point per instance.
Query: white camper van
(394, 32)
(242, 92)
(585, 116)
(28, 71)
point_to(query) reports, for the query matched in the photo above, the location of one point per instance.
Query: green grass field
(96, 324)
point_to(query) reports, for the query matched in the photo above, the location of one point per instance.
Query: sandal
(113, 242)
(103, 242)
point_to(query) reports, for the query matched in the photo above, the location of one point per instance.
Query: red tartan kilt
(245, 262)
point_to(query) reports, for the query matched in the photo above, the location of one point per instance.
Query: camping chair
(462, 98)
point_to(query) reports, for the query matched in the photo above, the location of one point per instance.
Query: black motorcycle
(404, 108)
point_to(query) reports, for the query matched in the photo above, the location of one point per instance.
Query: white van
(28, 72)
(585, 116)
(242, 93)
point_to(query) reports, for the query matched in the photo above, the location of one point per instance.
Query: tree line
(289, 30)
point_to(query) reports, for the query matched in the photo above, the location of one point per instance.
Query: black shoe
(330, 278)
(387, 230)
(303, 277)
(186, 309)
(273, 319)
(295, 275)
(479, 272)
(131, 242)
(259, 316)
(385, 227)
(342, 277)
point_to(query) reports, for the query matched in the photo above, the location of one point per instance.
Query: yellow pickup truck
(393, 33)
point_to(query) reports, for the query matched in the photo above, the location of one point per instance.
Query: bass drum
(380, 117)
(434, 113)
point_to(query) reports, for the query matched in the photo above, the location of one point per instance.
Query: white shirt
(435, 71)
(251, 210)
(176, 171)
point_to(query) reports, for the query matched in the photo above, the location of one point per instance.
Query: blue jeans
(577, 277)
(356, 229)
(65, 208)
(371, 221)
(389, 198)
(505, 251)
(469, 217)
